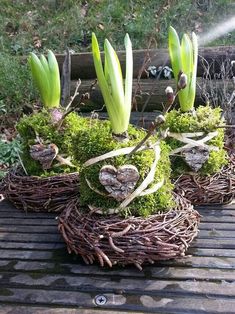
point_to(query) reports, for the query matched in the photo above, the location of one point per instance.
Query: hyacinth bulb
(56, 115)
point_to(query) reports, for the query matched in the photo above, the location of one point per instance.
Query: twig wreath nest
(205, 190)
(113, 240)
(40, 194)
(48, 177)
(203, 169)
(127, 213)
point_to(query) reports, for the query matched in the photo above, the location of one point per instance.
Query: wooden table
(37, 275)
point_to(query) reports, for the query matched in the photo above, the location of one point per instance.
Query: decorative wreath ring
(38, 194)
(205, 190)
(113, 240)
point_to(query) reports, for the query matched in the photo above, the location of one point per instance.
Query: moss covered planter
(97, 151)
(49, 184)
(38, 194)
(127, 212)
(203, 171)
(113, 240)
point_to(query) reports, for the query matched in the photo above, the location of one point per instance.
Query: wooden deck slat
(18, 309)
(30, 237)
(127, 285)
(205, 231)
(157, 272)
(28, 221)
(30, 245)
(151, 303)
(216, 242)
(38, 276)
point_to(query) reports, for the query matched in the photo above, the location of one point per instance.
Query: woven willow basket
(113, 240)
(38, 194)
(209, 190)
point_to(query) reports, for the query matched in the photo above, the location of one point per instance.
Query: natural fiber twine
(111, 240)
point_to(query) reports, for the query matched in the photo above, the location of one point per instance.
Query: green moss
(204, 119)
(96, 140)
(40, 124)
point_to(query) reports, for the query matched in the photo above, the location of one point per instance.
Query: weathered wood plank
(155, 87)
(164, 304)
(153, 272)
(22, 214)
(216, 212)
(30, 229)
(28, 221)
(213, 216)
(82, 63)
(27, 237)
(18, 309)
(218, 219)
(206, 230)
(31, 245)
(126, 285)
(214, 243)
(213, 233)
(197, 251)
(217, 226)
(61, 256)
(35, 270)
(26, 254)
(50, 238)
(203, 262)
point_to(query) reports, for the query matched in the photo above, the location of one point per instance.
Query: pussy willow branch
(70, 109)
(76, 93)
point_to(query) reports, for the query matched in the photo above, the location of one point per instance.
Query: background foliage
(36, 25)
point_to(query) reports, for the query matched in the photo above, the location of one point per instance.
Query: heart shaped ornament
(119, 182)
(44, 154)
(196, 157)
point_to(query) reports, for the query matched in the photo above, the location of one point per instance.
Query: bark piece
(119, 182)
(44, 154)
(196, 157)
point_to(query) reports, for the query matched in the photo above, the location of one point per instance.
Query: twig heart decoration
(45, 154)
(196, 151)
(119, 182)
(142, 189)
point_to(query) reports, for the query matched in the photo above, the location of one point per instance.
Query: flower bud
(170, 95)
(160, 119)
(182, 81)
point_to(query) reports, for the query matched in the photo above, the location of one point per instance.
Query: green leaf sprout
(46, 76)
(184, 57)
(110, 79)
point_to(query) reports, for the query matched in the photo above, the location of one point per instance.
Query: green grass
(56, 24)
(36, 25)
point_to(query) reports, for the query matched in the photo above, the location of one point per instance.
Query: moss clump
(41, 124)
(97, 140)
(204, 119)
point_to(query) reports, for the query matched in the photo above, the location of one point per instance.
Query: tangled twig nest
(38, 194)
(215, 189)
(112, 240)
